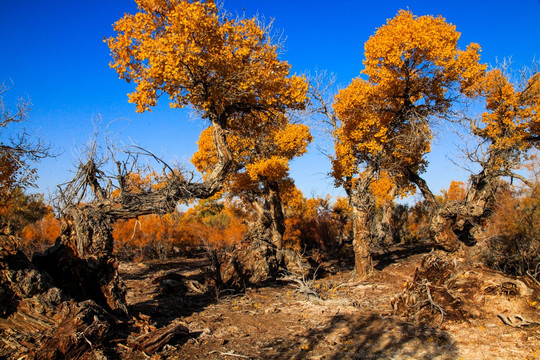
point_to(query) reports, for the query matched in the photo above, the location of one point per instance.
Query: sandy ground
(347, 320)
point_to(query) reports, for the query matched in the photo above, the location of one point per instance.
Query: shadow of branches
(368, 336)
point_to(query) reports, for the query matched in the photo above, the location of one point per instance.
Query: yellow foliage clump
(412, 68)
(197, 55)
(382, 190)
(272, 169)
(512, 117)
(456, 191)
(292, 140)
(263, 156)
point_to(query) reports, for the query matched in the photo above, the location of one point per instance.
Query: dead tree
(82, 262)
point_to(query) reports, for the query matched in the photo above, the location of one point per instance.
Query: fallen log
(155, 340)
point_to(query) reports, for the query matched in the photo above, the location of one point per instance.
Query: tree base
(257, 262)
(83, 279)
(39, 320)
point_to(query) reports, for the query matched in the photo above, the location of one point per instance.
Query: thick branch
(422, 185)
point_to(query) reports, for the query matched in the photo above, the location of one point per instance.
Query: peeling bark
(39, 320)
(269, 224)
(363, 206)
(465, 218)
(154, 341)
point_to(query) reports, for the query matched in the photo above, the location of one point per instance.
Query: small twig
(533, 278)
(229, 354)
(304, 286)
(137, 222)
(124, 346)
(516, 324)
(433, 303)
(349, 284)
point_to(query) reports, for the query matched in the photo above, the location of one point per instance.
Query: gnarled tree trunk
(363, 206)
(40, 321)
(269, 225)
(82, 263)
(60, 305)
(464, 217)
(261, 256)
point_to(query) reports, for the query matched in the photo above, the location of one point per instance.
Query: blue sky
(54, 54)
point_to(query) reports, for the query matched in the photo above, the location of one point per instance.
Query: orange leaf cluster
(264, 156)
(199, 56)
(315, 223)
(41, 233)
(208, 223)
(456, 191)
(512, 117)
(413, 66)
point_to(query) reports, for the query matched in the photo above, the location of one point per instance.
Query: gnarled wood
(38, 320)
(363, 206)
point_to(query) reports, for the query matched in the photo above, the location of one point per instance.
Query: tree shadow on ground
(148, 268)
(368, 336)
(400, 252)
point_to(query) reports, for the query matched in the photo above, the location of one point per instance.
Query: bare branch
(20, 151)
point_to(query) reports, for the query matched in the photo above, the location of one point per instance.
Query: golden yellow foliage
(272, 169)
(381, 188)
(197, 55)
(292, 140)
(265, 155)
(418, 56)
(209, 223)
(42, 232)
(456, 191)
(412, 68)
(316, 223)
(512, 117)
(228, 70)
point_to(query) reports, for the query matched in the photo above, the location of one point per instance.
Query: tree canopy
(226, 68)
(199, 56)
(412, 71)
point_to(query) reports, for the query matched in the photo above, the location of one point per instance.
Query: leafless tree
(19, 150)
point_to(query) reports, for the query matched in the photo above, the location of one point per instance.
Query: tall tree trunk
(261, 255)
(270, 223)
(277, 216)
(384, 226)
(363, 205)
(362, 242)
